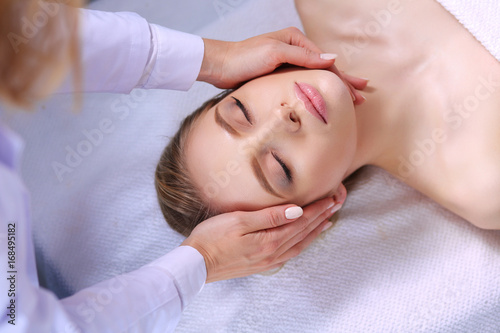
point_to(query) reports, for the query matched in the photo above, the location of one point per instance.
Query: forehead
(219, 166)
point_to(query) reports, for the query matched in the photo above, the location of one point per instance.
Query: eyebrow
(224, 124)
(259, 174)
(257, 170)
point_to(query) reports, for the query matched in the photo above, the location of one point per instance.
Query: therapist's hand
(228, 64)
(242, 243)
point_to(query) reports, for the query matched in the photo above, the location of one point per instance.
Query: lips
(313, 101)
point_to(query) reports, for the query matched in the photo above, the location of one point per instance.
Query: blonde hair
(38, 45)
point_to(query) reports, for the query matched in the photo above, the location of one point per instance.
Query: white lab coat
(121, 51)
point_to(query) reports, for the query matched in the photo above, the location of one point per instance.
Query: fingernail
(327, 226)
(335, 208)
(363, 97)
(330, 205)
(328, 56)
(293, 212)
(364, 78)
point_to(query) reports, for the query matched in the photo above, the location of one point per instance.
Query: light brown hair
(179, 198)
(38, 44)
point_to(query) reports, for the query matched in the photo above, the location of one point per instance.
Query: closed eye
(244, 110)
(286, 170)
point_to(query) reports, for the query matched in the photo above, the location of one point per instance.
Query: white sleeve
(122, 51)
(150, 299)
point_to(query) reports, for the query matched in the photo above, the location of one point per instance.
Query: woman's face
(288, 137)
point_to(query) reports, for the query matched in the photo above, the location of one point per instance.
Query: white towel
(481, 18)
(395, 262)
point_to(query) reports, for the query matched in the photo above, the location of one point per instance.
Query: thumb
(304, 57)
(271, 217)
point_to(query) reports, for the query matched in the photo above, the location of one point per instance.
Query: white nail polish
(335, 208)
(293, 212)
(327, 226)
(328, 56)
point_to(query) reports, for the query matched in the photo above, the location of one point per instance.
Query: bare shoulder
(475, 192)
(487, 178)
(473, 156)
(465, 174)
(486, 204)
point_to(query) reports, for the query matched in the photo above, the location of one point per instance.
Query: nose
(289, 119)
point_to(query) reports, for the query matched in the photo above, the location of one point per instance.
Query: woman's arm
(122, 51)
(149, 299)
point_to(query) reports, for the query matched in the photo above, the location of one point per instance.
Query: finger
(300, 56)
(274, 218)
(313, 214)
(269, 218)
(353, 83)
(299, 247)
(359, 98)
(336, 71)
(260, 269)
(300, 236)
(294, 36)
(356, 82)
(305, 58)
(352, 91)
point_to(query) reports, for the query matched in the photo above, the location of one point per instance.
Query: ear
(340, 194)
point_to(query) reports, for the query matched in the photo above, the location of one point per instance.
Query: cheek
(319, 174)
(314, 189)
(324, 157)
(325, 177)
(323, 164)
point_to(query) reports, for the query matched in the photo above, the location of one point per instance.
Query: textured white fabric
(395, 262)
(148, 299)
(481, 18)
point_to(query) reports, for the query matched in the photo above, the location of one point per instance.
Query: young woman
(431, 119)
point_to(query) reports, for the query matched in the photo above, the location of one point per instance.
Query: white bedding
(395, 261)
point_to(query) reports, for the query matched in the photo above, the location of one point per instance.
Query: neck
(388, 123)
(374, 121)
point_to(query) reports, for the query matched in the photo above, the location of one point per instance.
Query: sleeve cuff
(115, 49)
(178, 57)
(187, 266)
